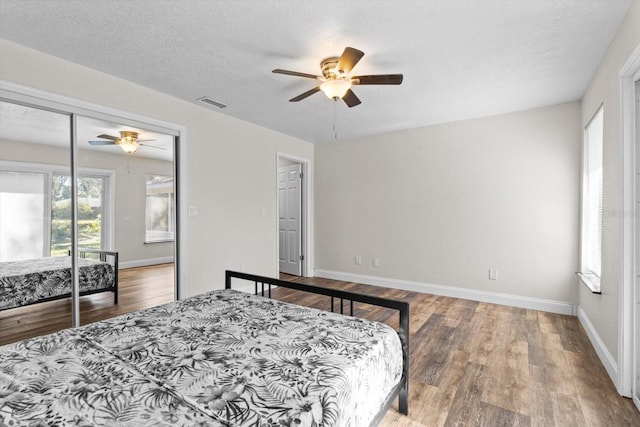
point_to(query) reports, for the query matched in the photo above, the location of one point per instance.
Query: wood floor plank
(540, 403)
(567, 411)
(466, 408)
(508, 381)
(496, 416)
(441, 402)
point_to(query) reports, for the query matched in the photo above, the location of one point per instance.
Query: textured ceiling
(460, 59)
(35, 126)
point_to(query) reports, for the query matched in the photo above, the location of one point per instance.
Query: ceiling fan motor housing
(328, 67)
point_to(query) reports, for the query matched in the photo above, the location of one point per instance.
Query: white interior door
(289, 219)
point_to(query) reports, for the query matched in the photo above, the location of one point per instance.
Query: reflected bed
(38, 280)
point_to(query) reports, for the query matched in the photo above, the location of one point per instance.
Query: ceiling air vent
(211, 102)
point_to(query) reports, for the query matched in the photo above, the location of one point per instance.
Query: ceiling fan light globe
(128, 141)
(128, 146)
(335, 89)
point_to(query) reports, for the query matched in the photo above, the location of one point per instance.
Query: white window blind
(160, 206)
(591, 268)
(23, 215)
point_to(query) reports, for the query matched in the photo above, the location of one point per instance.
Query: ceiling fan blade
(152, 146)
(351, 99)
(378, 79)
(102, 142)
(113, 138)
(144, 140)
(306, 94)
(349, 59)
(295, 73)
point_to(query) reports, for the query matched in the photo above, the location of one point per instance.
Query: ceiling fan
(128, 141)
(336, 83)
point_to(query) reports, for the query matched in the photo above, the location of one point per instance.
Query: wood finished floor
(139, 288)
(479, 364)
(472, 364)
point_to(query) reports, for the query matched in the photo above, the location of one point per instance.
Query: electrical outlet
(493, 274)
(358, 260)
(375, 262)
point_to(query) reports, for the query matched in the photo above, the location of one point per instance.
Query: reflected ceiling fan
(336, 83)
(128, 141)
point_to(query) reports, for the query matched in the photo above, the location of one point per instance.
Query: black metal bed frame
(401, 390)
(104, 256)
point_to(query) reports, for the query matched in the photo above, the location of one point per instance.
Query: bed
(223, 358)
(38, 280)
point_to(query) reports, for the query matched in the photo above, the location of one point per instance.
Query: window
(23, 215)
(90, 213)
(35, 210)
(591, 251)
(159, 209)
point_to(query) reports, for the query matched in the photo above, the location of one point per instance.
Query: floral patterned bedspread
(32, 280)
(224, 358)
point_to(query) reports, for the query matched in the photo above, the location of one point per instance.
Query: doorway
(292, 214)
(628, 378)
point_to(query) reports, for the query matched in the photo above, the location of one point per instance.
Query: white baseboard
(145, 262)
(606, 358)
(550, 306)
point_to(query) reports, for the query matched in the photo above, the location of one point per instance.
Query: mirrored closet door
(35, 221)
(125, 218)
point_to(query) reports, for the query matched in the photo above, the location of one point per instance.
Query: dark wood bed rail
(402, 390)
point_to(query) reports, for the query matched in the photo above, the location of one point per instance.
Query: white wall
(229, 166)
(603, 310)
(444, 204)
(130, 190)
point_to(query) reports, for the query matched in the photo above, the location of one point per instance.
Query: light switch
(192, 211)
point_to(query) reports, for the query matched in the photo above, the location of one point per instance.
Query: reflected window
(35, 211)
(160, 204)
(23, 215)
(90, 213)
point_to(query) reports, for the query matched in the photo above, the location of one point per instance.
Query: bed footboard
(402, 389)
(103, 256)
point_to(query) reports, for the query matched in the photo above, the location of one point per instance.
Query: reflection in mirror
(126, 209)
(35, 209)
(126, 219)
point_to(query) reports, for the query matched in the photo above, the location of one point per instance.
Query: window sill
(591, 281)
(146, 242)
